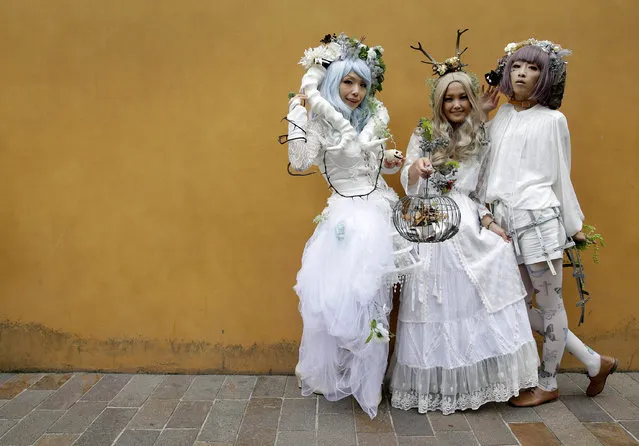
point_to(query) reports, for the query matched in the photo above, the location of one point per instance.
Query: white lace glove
(321, 106)
(297, 119)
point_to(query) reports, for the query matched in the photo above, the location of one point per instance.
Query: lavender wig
(531, 54)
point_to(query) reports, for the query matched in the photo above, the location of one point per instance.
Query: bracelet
(488, 225)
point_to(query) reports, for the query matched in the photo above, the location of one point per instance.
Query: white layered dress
(465, 339)
(349, 268)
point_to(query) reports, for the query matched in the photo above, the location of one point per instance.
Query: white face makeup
(524, 77)
(352, 90)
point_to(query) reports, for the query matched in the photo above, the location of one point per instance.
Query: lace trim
(493, 379)
(449, 404)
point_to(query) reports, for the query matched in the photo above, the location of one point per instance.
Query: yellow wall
(147, 221)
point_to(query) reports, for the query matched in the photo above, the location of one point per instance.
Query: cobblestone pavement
(173, 410)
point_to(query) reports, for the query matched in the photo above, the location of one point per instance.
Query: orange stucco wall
(147, 221)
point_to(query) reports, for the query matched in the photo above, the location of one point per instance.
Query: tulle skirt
(343, 286)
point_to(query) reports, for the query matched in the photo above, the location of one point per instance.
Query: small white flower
(441, 69)
(333, 50)
(381, 333)
(512, 46)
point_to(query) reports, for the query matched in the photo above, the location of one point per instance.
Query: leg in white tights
(581, 351)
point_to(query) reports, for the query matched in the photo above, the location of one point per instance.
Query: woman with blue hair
(355, 257)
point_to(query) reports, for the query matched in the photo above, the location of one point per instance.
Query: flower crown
(343, 47)
(451, 64)
(555, 51)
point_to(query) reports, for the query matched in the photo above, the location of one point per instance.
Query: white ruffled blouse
(530, 163)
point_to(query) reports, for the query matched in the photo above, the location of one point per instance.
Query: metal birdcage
(426, 219)
(430, 218)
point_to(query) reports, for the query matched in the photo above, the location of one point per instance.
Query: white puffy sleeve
(562, 187)
(413, 153)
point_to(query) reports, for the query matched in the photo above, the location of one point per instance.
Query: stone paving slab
(173, 387)
(136, 391)
(31, 427)
(223, 421)
(51, 382)
(530, 434)
(71, 391)
(565, 425)
(336, 430)
(154, 414)
(86, 409)
(489, 427)
(298, 415)
(106, 428)
(269, 387)
(24, 403)
(15, 384)
(138, 438)
(259, 425)
(107, 388)
(410, 423)
(5, 425)
(57, 440)
(204, 388)
(177, 437)
(610, 434)
(189, 415)
(78, 418)
(237, 387)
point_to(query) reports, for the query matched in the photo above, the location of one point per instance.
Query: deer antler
(459, 33)
(420, 48)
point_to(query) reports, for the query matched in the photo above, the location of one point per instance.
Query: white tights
(550, 321)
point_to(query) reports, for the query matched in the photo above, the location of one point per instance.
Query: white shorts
(530, 246)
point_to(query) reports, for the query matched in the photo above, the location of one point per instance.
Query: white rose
(510, 47)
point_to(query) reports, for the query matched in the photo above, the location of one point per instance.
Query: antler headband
(450, 65)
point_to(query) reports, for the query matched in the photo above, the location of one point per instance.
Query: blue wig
(329, 89)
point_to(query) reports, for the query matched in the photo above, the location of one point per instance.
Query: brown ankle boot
(597, 383)
(533, 397)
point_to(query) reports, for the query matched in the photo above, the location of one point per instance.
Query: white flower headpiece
(555, 51)
(343, 47)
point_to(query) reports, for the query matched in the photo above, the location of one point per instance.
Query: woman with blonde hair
(465, 339)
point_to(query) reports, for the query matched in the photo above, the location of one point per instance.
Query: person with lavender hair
(533, 198)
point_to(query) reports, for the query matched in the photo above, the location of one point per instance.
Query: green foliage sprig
(593, 239)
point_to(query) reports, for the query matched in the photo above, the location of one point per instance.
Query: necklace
(524, 105)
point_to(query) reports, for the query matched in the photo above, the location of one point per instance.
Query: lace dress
(349, 268)
(465, 339)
